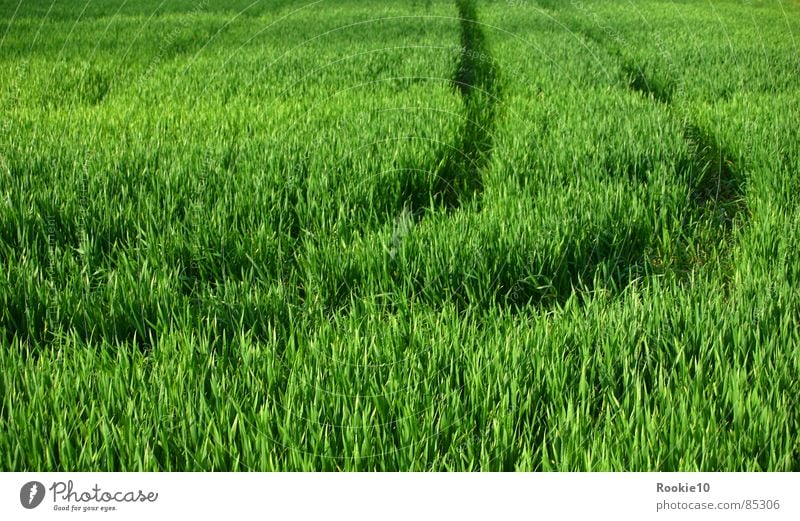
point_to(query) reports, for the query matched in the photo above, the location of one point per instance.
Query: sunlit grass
(399, 236)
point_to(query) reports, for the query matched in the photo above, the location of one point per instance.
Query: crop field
(408, 235)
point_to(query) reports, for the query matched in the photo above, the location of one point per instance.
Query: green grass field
(411, 235)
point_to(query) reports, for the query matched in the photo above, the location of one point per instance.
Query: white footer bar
(386, 496)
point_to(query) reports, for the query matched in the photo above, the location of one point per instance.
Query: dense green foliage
(422, 235)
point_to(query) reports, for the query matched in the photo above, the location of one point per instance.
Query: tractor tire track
(456, 178)
(459, 175)
(716, 183)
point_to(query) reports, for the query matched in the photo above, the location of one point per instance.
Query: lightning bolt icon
(34, 490)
